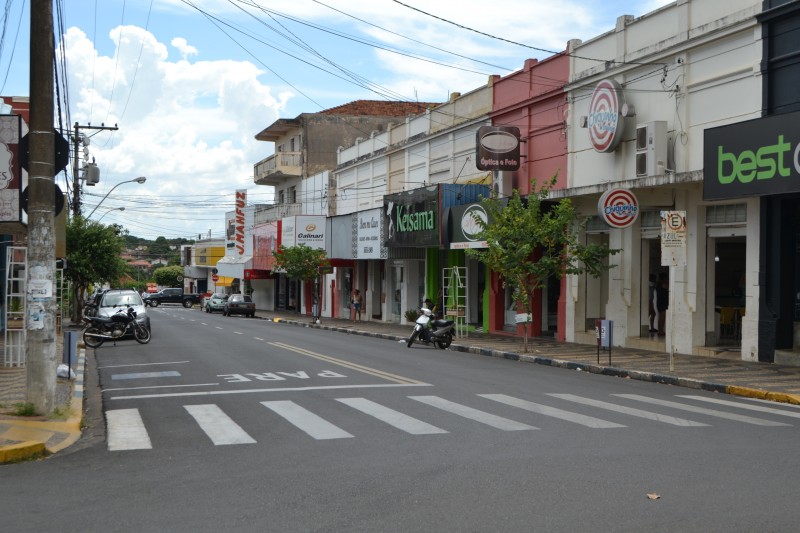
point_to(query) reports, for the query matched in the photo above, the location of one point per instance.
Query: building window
(292, 195)
(291, 145)
(281, 197)
(726, 214)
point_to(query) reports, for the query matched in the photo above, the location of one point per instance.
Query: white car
(115, 299)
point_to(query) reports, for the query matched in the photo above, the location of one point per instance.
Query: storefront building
(434, 151)
(532, 100)
(640, 100)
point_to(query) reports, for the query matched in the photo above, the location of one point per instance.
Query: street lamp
(139, 180)
(109, 210)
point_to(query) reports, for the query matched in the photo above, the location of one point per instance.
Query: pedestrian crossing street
(127, 430)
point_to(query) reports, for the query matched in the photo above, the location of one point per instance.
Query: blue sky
(190, 82)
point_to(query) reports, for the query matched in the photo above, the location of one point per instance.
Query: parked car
(113, 300)
(215, 302)
(173, 295)
(239, 304)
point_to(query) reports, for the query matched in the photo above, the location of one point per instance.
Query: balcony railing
(277, 167)
(271, 213)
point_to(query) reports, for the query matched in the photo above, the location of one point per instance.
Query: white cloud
(189, 127)
(183, 47)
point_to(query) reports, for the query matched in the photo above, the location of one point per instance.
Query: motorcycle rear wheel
(445, 341)
(90, 340)
(412, 338)
(141, 334)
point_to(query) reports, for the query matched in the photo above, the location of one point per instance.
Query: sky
(189, 83)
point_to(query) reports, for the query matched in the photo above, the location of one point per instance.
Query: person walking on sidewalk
(356, 305)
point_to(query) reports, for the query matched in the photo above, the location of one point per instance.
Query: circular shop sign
(215, 278)
(605, 123)
(618, 207)
(469, 226)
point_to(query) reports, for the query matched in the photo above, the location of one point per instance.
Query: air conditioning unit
(651, 148)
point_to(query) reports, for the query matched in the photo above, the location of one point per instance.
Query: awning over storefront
(223, 281)
(234, 267)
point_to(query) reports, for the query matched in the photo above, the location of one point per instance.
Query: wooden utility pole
(40, 322)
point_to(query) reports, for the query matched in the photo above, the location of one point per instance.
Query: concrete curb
(640, 375)
(40, 433)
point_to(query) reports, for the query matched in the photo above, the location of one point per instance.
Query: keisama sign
(752, 158)
(412, 217)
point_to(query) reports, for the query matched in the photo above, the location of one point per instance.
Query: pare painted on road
(277, 376)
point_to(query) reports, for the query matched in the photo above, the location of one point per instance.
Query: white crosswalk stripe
(473, 414)
(588, 421)
(218, 426)
(628, 410)
(392, 417)
(739, 405)
(126, 430)
(701, 410)
(307, 421)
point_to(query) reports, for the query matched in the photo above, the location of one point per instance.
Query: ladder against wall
(454, 285)
(14, 306)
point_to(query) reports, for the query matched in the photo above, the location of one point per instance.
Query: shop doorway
(652, 272)
(728, 285)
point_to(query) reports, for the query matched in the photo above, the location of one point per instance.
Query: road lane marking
(352, 366)
(219, 427)
(258, 338)
(162, 387)
(588, 421)
(477, 415)
(759, 408)
(629, 411)
(238, 333)
(702, 410)
(145, 375)
(307, 421)
(145, 364)
(126, 430)
(256, 391)
(394, 418)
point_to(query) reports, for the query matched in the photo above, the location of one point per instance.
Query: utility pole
(76, 182)
(40, 317)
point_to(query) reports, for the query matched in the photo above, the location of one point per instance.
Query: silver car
(115, 299)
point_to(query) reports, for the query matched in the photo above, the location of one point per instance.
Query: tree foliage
(168, 276)
(93, 256)
(530, 240)
(301, 262)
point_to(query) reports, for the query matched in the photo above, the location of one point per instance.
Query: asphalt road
(236, 424)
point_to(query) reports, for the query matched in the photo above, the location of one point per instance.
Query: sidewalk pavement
(26, 437)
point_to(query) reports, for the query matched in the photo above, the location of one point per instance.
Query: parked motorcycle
(101, 329)
(427, 330)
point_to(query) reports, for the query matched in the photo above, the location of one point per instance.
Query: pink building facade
(533, 99)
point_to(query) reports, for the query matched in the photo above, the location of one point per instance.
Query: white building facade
(640, 99)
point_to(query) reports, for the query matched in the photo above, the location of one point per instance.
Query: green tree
(93, 256)
(168, 276)
(530, 240)
(301, 262)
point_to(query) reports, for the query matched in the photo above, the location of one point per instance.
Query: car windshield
(248, 299)
(122, 298)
